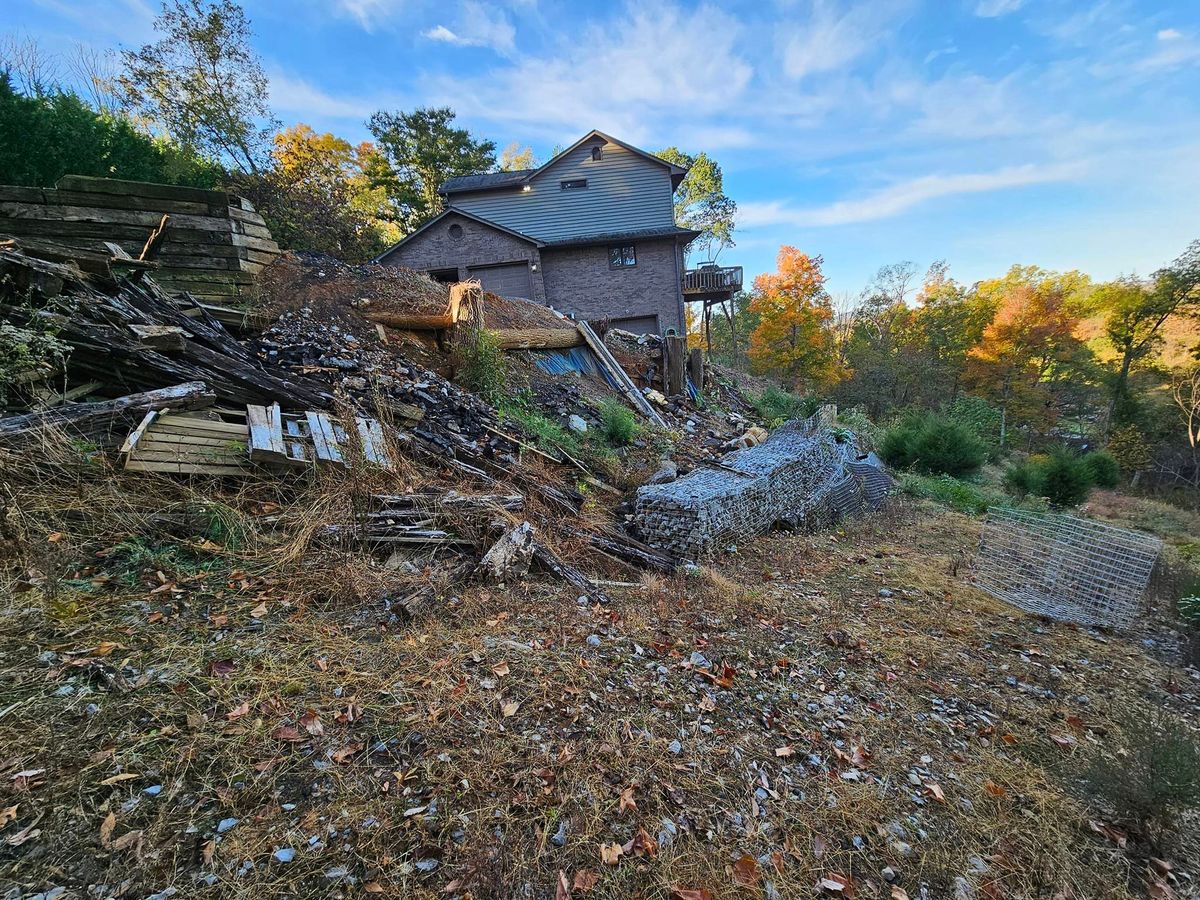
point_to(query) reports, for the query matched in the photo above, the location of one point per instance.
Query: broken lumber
(510, 556)
(609, 364)
(674, 362)
(568, 573)
(99, 422)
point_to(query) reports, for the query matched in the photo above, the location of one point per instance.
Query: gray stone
(577, 424)
(284, 855)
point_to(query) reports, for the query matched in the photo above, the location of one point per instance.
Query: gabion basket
(1065, 567)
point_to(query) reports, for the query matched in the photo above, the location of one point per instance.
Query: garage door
(507, 281)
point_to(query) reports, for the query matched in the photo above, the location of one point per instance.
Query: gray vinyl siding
(625, 192)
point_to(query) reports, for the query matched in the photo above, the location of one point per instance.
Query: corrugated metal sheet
(624, 192)
(563, 362)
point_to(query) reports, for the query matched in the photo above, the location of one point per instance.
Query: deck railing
(712, 280)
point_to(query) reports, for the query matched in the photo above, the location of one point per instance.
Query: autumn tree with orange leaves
(1028, 346)
(792, 340)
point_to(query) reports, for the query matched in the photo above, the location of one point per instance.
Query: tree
(791, 339)
(1137, 311)
(423, 149)
(45, 137)
(202, 83)
(514, 159)
(1023, 351)
(317, 196)
(700, 200)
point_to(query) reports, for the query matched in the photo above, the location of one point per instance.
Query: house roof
(452, 210)
(641, 234)
(489, 181)
(483, 182)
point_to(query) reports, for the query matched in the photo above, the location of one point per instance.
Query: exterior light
(527, 188)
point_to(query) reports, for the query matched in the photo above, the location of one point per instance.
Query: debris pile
(213, 243)
(801, 475)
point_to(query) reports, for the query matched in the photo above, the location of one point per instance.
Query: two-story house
(591, 233)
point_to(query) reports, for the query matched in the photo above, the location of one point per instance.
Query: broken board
(186, 445)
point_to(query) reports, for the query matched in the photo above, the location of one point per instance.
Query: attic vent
(455, 231)
(574, 184)
(597, 153)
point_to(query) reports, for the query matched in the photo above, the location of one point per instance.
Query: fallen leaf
(207, 851)
(627, 801)
(117, 779)
(28, 833)
(994, 789)
(287, 733)
(340, 756)
(610, 854)
(642, 844)
(259, 611)
(129, 840)
(585, 880)
(678, 893)
(312, 723)
(562, 890)
(238, 711)
(934, 790)
(708, 702)
(836, 883)
(106, 829)
(745, 870)
(54, 537)
(500, 669)
(784, 751)
(1116, 835)
(8, 814)
(1065, 741)
(509, 707)
(222, 668)
(374, 887)
(898, 893)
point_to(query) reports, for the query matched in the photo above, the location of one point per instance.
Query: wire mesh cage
(1064, 567)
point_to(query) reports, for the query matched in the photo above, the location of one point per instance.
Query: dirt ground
(837, 714)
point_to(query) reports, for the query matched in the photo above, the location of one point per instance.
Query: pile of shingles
(214, 243)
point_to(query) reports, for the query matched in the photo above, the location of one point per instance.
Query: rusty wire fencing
(1064, 567)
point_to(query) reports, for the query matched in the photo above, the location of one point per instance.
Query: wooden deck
(712, 280)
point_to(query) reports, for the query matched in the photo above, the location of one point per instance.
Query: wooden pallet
(186, 444)
(312, 438)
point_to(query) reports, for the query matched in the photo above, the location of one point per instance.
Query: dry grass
(454, 744)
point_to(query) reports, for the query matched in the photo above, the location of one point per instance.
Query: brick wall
(479, 245)
(578, 280)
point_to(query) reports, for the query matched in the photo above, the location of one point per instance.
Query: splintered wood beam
(374, 446)
(100, 421)
(155, 240)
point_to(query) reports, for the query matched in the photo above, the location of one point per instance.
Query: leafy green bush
(1064, 479)
(1024, 478)
(1154, 779)
(481, 364)
(23, 350)
(960, 495)
(545, 432)
(777, 405)
(933, 445)
(1103, 468)
(982, 419)
(617, 422)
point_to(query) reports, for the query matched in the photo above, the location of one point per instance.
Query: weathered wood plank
(266, 433)
(374, 446)
(324, 438)
(138, 433)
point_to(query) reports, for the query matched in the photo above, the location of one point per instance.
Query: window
(455, 231)
(597, 153)
(574, 184)
(622, 257)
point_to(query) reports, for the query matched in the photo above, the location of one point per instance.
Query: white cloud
(641, 78)
(1169, 34)
(831, 39)
(899, 198)
(478, 26)
(297, 96)
(368, 13)
(990, 9)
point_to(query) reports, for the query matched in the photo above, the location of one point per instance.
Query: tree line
(1039, 358)
(193, 108)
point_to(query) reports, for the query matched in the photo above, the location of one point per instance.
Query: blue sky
(1062, 133)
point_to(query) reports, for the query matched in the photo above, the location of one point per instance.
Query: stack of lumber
(214, 243)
